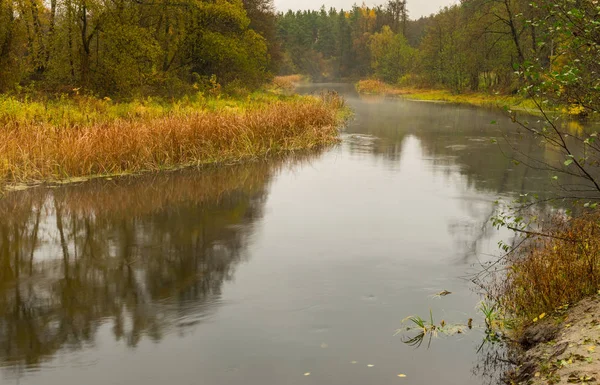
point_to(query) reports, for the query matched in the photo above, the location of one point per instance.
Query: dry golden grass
(287, 82)
(377, 87)
(36, 149)
(554, 271)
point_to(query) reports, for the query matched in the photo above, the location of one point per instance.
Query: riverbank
(479, 99)
(551, 292)
(561, 349)
(73, 137)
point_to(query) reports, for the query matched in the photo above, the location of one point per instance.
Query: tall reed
(45, 146)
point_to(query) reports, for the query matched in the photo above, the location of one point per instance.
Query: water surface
(264, 272)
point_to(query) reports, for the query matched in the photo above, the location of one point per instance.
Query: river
(288, 271)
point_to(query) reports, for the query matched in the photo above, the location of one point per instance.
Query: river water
(288, 271)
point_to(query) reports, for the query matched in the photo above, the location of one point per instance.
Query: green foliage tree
(391, 56)
(128, 47)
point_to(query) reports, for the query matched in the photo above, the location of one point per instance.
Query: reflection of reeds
(40, 150)
(133, 196)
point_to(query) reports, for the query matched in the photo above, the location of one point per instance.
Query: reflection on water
(143, 254)
(256, 274)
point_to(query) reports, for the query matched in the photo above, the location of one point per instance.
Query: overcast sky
(417, 8)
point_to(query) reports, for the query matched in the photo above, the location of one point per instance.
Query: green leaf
(568, 162)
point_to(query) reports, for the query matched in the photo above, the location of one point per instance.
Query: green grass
(480, 99)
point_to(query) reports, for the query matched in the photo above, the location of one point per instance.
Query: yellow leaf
(401, 375)
(307, 374)
(542, 315)
(591, 349)
(535, 319)
(538, 374)
(370, 365)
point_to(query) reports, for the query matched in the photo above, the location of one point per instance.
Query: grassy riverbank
(551, 271)
(72, 137)
(550, 292)
(480, 99)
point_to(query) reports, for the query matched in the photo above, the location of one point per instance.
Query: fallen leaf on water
(401, 375)
(370, 365)
(354, 362)
(443, 293)
(307, 374)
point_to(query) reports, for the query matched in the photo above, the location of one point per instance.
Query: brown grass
(554, 271)
(377, 87)
(33, 150)
(287, 82)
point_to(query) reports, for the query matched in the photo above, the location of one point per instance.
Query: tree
(391, 56)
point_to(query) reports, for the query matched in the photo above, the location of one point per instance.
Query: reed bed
(45, 146)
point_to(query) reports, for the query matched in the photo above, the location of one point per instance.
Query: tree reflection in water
(145, 254)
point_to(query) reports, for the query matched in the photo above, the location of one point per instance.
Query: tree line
(129, 47)
(171, 47)
(473, 45)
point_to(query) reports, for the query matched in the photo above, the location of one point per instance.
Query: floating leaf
(443, 293)
(370, 365)
(402, 375)
(354, 362)
(307, 374)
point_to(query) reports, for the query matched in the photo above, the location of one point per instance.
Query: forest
(135, 47)
(476, 45)
(170, 48)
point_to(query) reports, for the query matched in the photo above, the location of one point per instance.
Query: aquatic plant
(428, 328)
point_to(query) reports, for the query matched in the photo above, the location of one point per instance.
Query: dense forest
(474, 45)
(171, 47)
(129, 47)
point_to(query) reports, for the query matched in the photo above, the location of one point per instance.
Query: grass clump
(551, 271)
(75, 137)
(287, 82)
